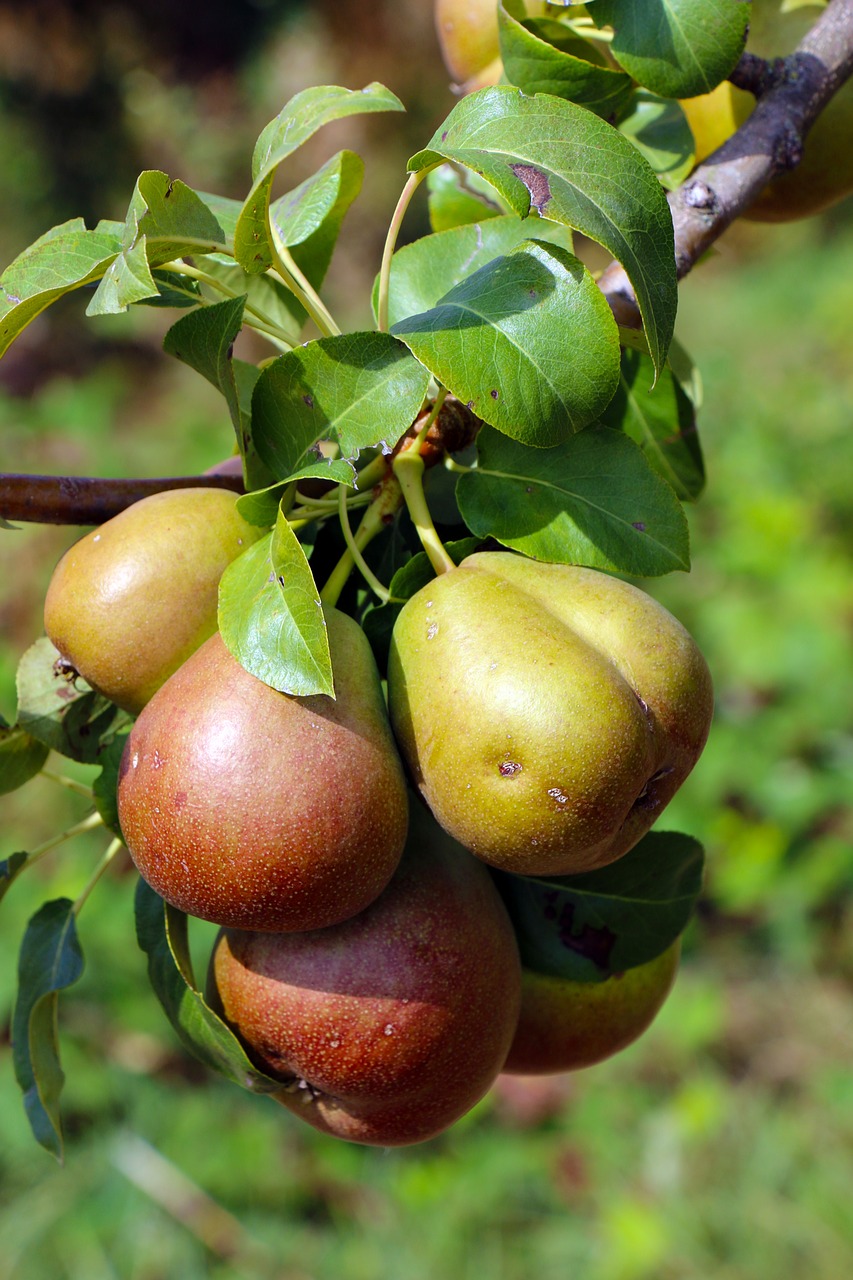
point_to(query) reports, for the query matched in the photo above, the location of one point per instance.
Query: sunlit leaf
(64, 714)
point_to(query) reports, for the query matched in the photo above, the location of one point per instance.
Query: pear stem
(412, 184)
(375, 518)
(409, 470)
(292, 278)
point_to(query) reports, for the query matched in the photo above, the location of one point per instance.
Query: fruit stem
(375, 518)
(412, 184)
(409, 470)
(71, 783)
(112, 849)
(293, 279)
(355, 551)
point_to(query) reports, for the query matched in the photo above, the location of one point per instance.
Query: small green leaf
(50, 961)
(559, 159)
(588, 927)
(173, 290)
(528, 342)
(298, 120)
(161, 932)
(21, 756)
(366, 388)
(271, 618)
(424, 271)
(544, 56)
(9, 870)
(659, 130)
(662, 421)
(593, 501)
(261, 506)
(459, 197)
(66, 715)
(204, 340)
(677, 48)
(166, 219)
(318, 203)
(64, 258)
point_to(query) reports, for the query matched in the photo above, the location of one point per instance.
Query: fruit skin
(565, 1025)
(547, 713)
(391, 1026)
(130, 601)
(825, 174)
(468, 35)
(260, 810)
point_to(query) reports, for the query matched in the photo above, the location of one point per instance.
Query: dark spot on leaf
(309, 400)
(641, 525)
(508, 768)
(494, 394)
(536, 182)
(280, 580)
(66, 694)
(444, 136)
(595, 944)
(470, 404)
(230, 354)
(169, 190)
(533, 293)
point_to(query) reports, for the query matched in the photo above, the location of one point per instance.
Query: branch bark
(793, 92)
(89, 499)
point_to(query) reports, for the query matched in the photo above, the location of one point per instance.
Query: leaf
(161, 932)
(261, 506)
(593, 501)
(588, 927)
(677, 48)
(67, 716)
(458, 197)
(268, 301)
(569, 166)
(271, 618)
(21, 756)
(298, 120)
(204, 340)
(543, 56)
(9, 869)
(173, 290)
(424, 271)
(528, 342)
(309, 218)
(64, 258)
(166, 219)
(364, 387)
(662, 421)
(50, 961)
(659, 130)
(106, 783)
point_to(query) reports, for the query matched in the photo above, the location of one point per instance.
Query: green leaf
(588, 927)
(66, 715)
(677, 48)
(528, 342)
(261, 506)
(271, 618)
(21, 756)
(569, 166)
(50, 961)
(593, 501)
(9, 870)
(162, 935)
(298, 120)
(458, 197)
(64, 258)
(662, 421)
(366, 388)
(173, 290)
(424, 271)
(106, 783)
(165, 220)
(309, 218)
(543, 56)
(659, 130)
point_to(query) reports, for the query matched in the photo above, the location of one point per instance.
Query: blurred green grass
(721, 1143)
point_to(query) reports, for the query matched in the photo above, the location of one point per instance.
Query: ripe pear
(387, 1028)
(547, 713)
(132, 600)
(468, 35)
(261, 810)
(565, 1025)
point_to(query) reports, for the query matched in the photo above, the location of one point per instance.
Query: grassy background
(720, 1145)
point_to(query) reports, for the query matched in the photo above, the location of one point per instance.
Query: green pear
(547, 713)
(565, 1025)
(260, 810)
(130, 601)
(389, 1027)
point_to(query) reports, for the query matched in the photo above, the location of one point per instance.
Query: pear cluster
(365, 959)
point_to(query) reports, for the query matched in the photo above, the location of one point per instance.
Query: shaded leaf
(366, 388)
(9, 870)
(562, 161)
(50, 960)
(593, 501)
(588, 927)
(677, 48)
(527, 341)
(21, 756)
(161, 932)
(66, 715)
(662, 421)
(63, 259)
(106, 783)
(659, 130)
(458, 197)
(271, 618)
(301, 117)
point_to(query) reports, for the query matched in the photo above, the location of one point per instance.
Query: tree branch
(793, 92)
(87, 499)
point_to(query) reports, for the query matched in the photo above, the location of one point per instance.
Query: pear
(130, 601)
(565, 1025)
(388, 1028)
(260, 810)
(547, 712)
